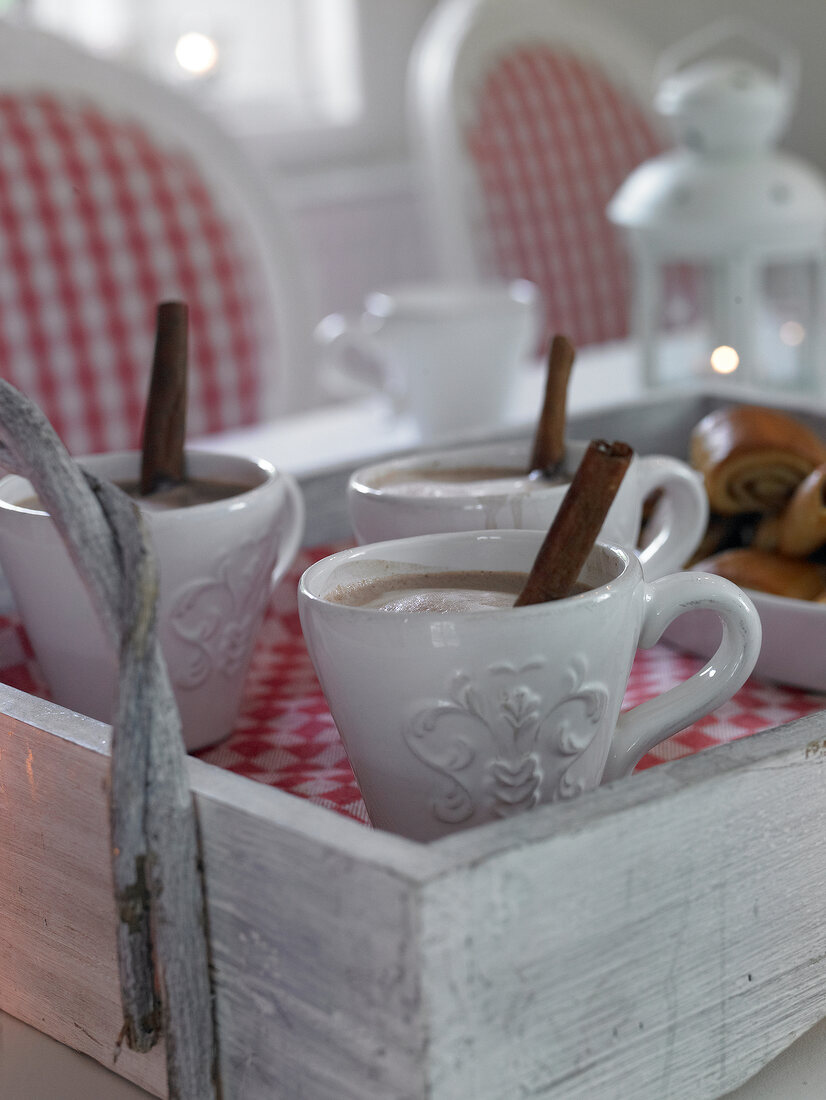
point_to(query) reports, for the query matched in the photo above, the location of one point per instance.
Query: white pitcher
(447, 354)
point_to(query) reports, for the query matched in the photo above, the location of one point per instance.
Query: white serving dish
(794, 639)
(794, 631)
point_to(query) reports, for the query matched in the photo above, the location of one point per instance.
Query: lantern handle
(694, 45)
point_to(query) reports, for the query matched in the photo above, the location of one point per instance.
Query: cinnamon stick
(548, 452)
(162, 460)
(574, 530)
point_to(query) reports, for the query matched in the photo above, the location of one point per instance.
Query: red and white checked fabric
(286, 737)
(98, 223)
(551, 141)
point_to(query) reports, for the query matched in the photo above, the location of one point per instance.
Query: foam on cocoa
(437, 592)
(469, 481)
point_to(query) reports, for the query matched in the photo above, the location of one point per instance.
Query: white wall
(358, 230)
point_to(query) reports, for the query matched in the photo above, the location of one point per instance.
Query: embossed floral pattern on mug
(212, 619)
(525, 745)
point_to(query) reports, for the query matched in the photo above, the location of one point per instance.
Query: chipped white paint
(665, 936)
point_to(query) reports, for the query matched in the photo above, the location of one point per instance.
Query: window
(309, 84)
(277, 64)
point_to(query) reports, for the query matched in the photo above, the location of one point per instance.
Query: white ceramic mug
(451, 720)
(218, 563)
(381, 508)
(446, 353)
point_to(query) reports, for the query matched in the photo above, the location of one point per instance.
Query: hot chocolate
(186, 495)
(440, 592)
(438, 481)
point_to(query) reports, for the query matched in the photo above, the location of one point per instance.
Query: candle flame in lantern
(724, 359)
(792, 333)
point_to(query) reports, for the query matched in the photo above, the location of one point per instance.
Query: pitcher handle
(680, 518)
(338, 333)
(642, 727)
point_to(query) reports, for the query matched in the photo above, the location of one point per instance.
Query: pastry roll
(772, 573)
(802, 525)
(722, 533)
(753, 458)
(767, 532)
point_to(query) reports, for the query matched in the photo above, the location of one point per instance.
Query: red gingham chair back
(98, 223)
(551, 140)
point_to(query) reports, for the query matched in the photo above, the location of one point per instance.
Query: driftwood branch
(162, 942)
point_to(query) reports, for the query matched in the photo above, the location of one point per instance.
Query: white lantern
(727, 235)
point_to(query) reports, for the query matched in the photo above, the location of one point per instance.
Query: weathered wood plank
(656, 946)
(665, 935)
(312, 925)
(317, 964)
(58, 951)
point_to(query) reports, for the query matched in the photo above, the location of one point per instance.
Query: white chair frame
(37, 60)
(455, 49)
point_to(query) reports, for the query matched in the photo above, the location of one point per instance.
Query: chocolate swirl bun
(753, 458)
(802, 524)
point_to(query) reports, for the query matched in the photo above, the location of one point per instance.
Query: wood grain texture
(58, 951)
(313, 926)
(661, 937)
(668, 941)
(317, 967)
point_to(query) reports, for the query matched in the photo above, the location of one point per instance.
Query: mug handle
(289, 545)
(680, 518)
(338, 333)
(642, 727)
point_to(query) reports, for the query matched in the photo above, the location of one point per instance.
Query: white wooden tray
(664, 936)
